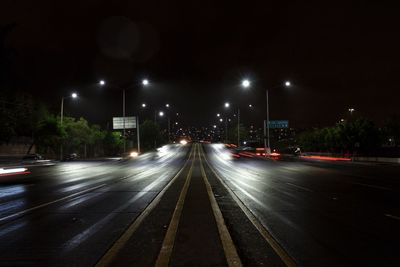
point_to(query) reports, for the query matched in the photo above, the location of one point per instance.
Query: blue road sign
(279, 124)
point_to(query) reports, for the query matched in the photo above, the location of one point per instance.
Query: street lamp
(145, 83)
(227, 105)
(143, 105)
(286, 84)
(161, 113)
(73, 95)
(246, 83)
(266, 129)
(351, 110)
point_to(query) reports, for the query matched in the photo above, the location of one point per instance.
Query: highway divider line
(285, 257)
(164, 256)
(112, 252)
(231, 254)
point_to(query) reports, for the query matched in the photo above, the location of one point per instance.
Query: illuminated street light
(250, 105)
(161, 113)
(288, 84)
(167, 105)
(215, 126)
(144, 105)
(245, 83)
(227, 105)
(102, 82)
(221, 120)
(218, 115)
(351, 110)
(73, 95)
(145, 82)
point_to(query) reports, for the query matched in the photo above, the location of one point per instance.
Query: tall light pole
(73, 95)
(145, 82)
(169, 127)
(267, 147)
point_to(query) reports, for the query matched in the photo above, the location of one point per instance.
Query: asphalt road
(165, 205)
(322, 213)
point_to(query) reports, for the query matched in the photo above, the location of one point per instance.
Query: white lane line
(300, 187)
(392, 216)
(374, 186)
(49, 203)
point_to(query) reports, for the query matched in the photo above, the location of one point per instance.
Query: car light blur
(183, 142)
(134, 154)
(14, 171)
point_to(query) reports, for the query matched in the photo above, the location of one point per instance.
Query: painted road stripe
(300, 187)
(231, 254)
(261, 229)
(373, 186)
(392, 216)
(21, 213)
(109, 256)
(168, 244)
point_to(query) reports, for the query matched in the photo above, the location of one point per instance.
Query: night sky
(195, 53)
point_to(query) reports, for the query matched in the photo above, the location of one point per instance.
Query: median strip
(231, 254)
(164, 256)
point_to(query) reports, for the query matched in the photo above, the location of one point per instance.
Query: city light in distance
(227, 105)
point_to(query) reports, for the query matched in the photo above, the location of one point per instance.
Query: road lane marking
(21, 213)
(373, 186)
(392, 216)
(168, 244)
(285, 257)
(300, 187)
(231, 254)
(111, 253)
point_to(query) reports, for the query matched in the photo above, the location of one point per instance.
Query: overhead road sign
(118, 123)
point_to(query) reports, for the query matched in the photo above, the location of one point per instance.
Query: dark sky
(195, 53)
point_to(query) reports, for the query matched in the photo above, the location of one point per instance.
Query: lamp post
(145, 82)
(73, 95)
(267, 147)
